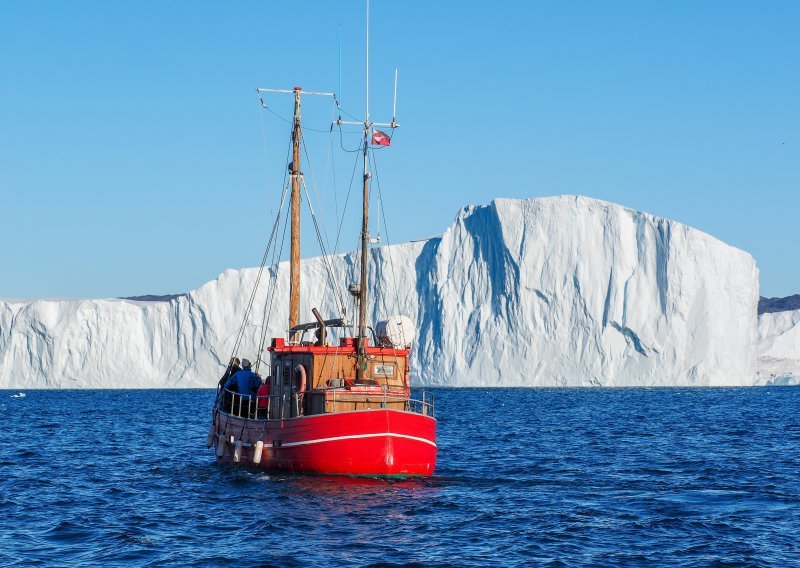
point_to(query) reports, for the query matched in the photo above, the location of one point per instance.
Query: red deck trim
(334, 350)
(340, 413)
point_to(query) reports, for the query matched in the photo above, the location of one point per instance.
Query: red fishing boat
(333, 407)
(323, 422)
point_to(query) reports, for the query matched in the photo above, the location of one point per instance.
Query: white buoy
(220, 446)
(259, 449)
(212, 433)
(237, 451)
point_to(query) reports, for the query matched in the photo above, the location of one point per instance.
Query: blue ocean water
(525, 477)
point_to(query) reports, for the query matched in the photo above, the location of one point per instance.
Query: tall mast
(297, 177)
(294, 265)
(365, 240)
(362, 296)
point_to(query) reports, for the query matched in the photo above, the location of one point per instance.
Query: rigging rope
(326, 258)
(267, 314)
(289, 120)
(386, 233)
(321, 234)
(243, 326)
(341, 142)
(388, 249)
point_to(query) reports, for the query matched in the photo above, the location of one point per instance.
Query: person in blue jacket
(246, 383)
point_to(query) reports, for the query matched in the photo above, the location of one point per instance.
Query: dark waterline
(526, 476)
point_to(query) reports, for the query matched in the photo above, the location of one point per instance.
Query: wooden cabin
(314, 377)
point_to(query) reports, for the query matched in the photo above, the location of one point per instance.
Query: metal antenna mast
(361, 289)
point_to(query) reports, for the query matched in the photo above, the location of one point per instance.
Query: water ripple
(599, 477)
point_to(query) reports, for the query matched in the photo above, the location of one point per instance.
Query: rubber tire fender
(300, 374)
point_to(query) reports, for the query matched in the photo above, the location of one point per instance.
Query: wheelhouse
(314, 377)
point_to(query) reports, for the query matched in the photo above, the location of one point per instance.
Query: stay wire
(240, 334)
(266, 316)
(341, 142)
(388, 246)
(314, 186)
(386, 232)
(326, 258)
(339, 107)
(242, 328)
(276, 254)
(275, 264)
(290, 120)
(346, 201)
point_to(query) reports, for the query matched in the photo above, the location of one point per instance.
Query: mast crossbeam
(389, 124)
(260, 90)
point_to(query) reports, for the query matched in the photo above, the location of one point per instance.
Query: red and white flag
(380, 138)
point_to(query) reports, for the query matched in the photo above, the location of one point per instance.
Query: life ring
(300, 376)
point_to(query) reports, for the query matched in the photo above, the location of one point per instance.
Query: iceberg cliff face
(574, 291)
(779, 348)
(561, 291)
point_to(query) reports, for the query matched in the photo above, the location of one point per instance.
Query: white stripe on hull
(336, 438)
(356, 436)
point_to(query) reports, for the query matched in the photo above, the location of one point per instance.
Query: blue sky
(134, 158)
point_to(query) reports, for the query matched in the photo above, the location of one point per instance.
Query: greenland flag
(380, 138)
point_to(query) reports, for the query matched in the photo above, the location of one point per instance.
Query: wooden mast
(294, 265)
(297, 177)
(362, 294)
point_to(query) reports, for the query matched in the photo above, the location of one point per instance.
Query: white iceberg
(558, 291)
(779, 348)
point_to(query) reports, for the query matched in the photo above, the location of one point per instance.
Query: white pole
(366, 119)
(394, 107)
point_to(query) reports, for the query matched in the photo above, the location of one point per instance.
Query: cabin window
(276, 377)
(287, 373)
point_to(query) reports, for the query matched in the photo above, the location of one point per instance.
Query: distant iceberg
(558, 291)
(779, 348)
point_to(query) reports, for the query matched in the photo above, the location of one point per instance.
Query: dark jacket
(246, 382)
(229, 372)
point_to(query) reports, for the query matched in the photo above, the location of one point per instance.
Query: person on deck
(233, 368)
(263, 397)
(246, 384)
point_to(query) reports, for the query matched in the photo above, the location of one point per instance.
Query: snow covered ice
(779, 348)
(557, 291)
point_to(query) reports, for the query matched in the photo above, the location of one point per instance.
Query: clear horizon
(132, 159)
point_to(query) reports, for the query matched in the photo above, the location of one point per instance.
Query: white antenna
(366, 115)
(366, 124)
(394, 106)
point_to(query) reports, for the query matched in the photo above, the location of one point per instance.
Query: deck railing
(291, 405)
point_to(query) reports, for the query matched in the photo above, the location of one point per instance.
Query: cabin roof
(346, 346)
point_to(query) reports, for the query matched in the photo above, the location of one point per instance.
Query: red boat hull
(381, 442)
